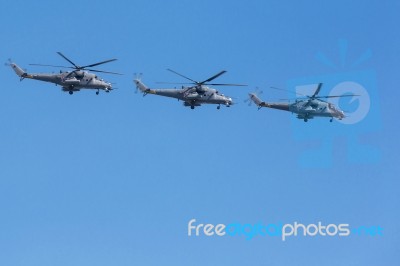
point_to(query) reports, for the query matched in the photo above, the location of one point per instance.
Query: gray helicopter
(70, 81)
(195, 95)
(307, 108)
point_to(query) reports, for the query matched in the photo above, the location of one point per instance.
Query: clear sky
(114, 179)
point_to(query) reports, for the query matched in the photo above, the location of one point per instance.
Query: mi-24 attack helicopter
(70, 81)
(306, 108)
(196, 94)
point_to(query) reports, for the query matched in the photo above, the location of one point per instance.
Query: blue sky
(114, 179)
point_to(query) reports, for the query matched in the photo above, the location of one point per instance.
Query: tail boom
(260, 103)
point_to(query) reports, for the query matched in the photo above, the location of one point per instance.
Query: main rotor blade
(63, 56)
(101, 71)
(211, 84)
(293, 92)
(176, 83)
(69, 74)
(317, 90)
(337, 96)
(51, 66)
(213, 77)
(99, 63)
(182, 75)
(292, 99)
(225, 84)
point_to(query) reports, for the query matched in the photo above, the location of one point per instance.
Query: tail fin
(143, 88)
(256, 100)
(19, 71)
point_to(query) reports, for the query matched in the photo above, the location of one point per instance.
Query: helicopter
(70, 81)
(307, 108)
(196, 94)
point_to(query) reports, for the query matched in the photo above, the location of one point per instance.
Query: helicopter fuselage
(309, 109)
(191, 96)
(305, 109)
(69, 81)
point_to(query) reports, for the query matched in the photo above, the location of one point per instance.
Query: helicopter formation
(192, 93)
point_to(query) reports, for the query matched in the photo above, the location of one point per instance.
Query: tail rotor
(138, 76)
(8, 63)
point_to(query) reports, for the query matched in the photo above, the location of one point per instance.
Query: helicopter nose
(228, 101)
(108, 86)
(340, 114)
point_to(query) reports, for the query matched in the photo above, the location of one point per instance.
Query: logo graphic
(284, 231)
(362, 112)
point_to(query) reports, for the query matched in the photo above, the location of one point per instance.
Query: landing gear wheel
(192, 107)
(305, 119)
(219, 107)
(97, 92)
(331, 120)
(71, 92)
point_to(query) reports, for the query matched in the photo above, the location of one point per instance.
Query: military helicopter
(195, 95)
(71, 81)
(307, 108)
